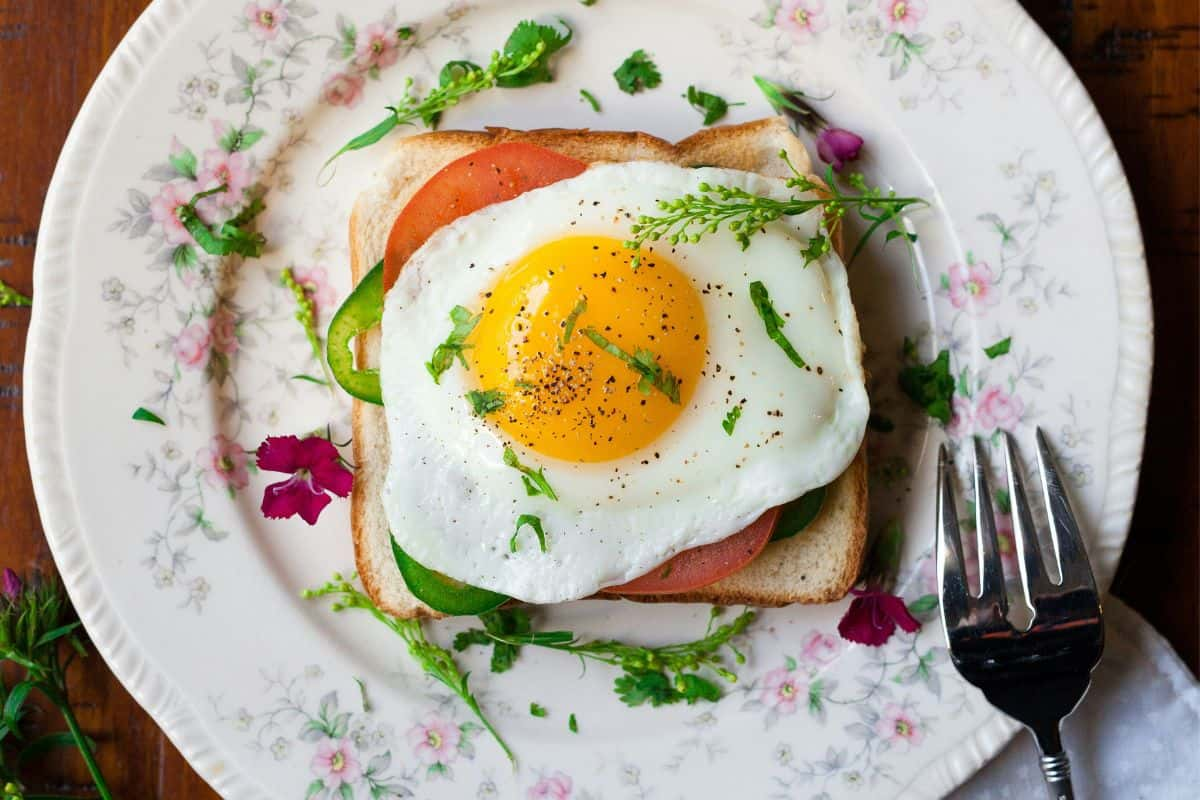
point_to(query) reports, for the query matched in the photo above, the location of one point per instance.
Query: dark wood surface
(1138, 58)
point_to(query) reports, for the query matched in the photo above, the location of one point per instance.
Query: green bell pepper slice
(443, 593)
(362, 311)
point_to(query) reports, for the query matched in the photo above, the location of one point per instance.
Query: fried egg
(609, 382)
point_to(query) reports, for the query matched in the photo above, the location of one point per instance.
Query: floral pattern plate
(194, 599)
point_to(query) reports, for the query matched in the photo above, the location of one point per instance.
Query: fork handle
(1056, 769)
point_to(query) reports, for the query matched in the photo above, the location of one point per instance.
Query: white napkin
(1136, 735)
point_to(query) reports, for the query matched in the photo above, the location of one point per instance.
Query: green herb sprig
(532, 521)
(306, 315)
(484, 402)
(502, 622)
(455, 344)
(534, 480)
(930, 386)
(731, 420)
(642, 362)
(712, 106)
(637, 72)
(10, 297)
(232, 237)
(569, 323)
(773, 322)
(436, 661)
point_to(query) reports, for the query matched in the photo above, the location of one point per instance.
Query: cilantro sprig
(637, 72)
(455, 344)
(689, 218)
(502, 622)
(232, 237)
(712, 106)
(533, 521)
(484, 402)
(773, 322)
(930, 386)
(437, 662)
(642, 362)
(534, 480)
(524, 61)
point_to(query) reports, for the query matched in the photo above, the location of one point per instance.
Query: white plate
(193, 598)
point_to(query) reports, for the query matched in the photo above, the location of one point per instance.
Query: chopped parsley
(535, 481)
(405, 33)
(501, 622)
(231, 237)
(590, 99)
(146, 415)
(569, 324)
(710, 105)
(642, 362)
(731, 419)
(531, 40)
(636, 73)
(536, 710)
(534, 522)
(931, 386)
(773, 322)
(572, 725)
(486, 401)
(1000, 348)
(445, 353)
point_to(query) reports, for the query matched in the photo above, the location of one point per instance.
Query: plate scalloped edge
(47, 458)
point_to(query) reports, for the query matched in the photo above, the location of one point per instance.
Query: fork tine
(1073, 563)
(991, 574)
(1034, 581)
(952, 579)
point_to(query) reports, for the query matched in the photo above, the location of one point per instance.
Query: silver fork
(1038, 675)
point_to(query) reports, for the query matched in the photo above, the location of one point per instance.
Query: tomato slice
(491, 175)
(700, 566)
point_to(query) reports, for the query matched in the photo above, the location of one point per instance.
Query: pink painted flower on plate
(336, 763)
(803, 19)
(343, 89)
(973, 287)
(164, 209)
(223, 325)
(996, 409)
(229, 169)
(819, 648)
(897, 725)
(902, 16)
(316, 470)
(316, 283)
(266, 17)
(551, 787)
(783, 689)
(435, 740)
(378, 48)
(837, 146)
(191, 346)
(224, 464)
(962, 417)
(873, 616)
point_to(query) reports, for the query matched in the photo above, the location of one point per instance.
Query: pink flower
(336, 763)
(191, 346)
(378, 48)
(803, 19)
(224, 464)
(315, 281)
(552, 787)
(783, 689)
(11, 584)
(435, 741)
(836, 146)
(873, 616)
(897, 725)
(164, 209)
(972, 287)
(997, 409)
(315, 467)
(229, 169)
(962, 417)
(343, 89)
(902, 16)
(819, 648)
(266, 18)
(223, 325)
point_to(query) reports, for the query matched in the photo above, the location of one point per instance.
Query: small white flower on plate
(196, 109)
(630, 775)
(170, 450)
(280, 748)
(783, 755)
(954, 32)
(1028, 306)
(1047, 182)
(112, 289)
(164, 578)
(242, 720)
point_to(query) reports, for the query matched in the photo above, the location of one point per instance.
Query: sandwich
(548, 413)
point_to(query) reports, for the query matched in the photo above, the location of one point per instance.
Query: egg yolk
(595, 359)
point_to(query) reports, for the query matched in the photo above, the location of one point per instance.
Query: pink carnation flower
(335, 763)
(224, 464)
(315, 468)
(191, 346)
(819, 648)
(783, 689)
(552, 787)
(223, 325)
(873, 616)
(997, 409)
(266, 18)
(343, 89)
(902, 16)
(164, 209)
(315, 281)
(378, 48)
(973, 287)
(897, 725)
(435, 741)
(803, 19)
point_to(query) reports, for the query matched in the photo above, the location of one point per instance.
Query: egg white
(452, 503)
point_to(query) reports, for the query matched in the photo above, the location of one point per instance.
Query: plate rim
(153, 689)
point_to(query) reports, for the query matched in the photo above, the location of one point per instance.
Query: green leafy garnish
(10, 297)
(525, 60)
(773, 322)
(306, 315)
(642, 362)
(590, 99)
(534, 522)
(486, 401)
(636, 73)
(445, 353)
(405, 33)
(536, 710)
(535, 481)
(710, 105)
(572, 725)
(791, 103)
(1000, 348)
(146, 415)
(231, 237)
(931, 386)
(501, 622)
(437, 662)
(731, 419)
(569, 323)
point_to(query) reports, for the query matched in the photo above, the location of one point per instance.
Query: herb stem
(81, 741)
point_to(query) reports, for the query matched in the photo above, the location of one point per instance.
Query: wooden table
(1140, 62)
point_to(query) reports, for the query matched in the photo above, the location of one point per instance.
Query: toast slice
(817, 566)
